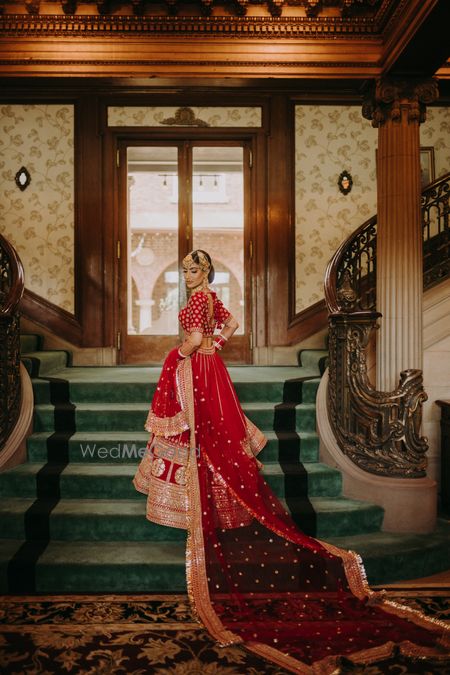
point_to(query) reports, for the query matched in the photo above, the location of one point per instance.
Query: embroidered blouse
(198, 315)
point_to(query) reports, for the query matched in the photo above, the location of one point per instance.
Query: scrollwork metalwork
(436, 231)
(11, 289)
(379, 431)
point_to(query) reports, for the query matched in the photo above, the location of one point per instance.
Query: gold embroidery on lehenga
(159, 476)
(180, 476)
(158, 467)
(206, 350)
(166, 426)
(167, 504)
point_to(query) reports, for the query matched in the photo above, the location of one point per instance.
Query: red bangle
(219, 341)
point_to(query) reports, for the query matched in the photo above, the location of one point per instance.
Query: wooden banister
(379, 431)
(11, 291)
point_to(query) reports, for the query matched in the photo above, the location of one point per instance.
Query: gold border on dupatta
(357, 580)
(196, 577)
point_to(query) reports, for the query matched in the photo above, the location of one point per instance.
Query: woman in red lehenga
(253, 577)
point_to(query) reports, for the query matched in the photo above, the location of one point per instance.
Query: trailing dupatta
(288, 597)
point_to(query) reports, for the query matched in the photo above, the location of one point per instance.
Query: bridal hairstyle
(196, 259)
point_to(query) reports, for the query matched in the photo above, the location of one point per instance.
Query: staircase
(72, 522)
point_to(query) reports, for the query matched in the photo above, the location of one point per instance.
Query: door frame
(248, 140)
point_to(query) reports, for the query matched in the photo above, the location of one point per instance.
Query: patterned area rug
(142, 634)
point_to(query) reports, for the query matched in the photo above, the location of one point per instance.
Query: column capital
(389, 97)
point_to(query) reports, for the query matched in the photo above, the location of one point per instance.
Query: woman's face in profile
(193, 276)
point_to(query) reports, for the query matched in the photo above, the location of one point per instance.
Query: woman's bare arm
(231, 325)
(190, 343)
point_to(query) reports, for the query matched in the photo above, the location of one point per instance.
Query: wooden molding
(52, 317)
(405, 24)
(47, 58)
(245, 47)
(359, 39)
(308, 322)
(252, 27)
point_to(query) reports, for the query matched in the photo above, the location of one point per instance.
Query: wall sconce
(345, 182)
(22, 178)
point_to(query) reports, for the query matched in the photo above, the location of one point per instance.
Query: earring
(205, 282)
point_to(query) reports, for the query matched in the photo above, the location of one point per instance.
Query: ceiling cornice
(308, 39)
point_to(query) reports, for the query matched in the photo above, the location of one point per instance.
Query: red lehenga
(253, 577)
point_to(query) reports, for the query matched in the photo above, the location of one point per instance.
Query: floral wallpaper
(39, 221)
(153, 116)
(329, 140)
(435, 133)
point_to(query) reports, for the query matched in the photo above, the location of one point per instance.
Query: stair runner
(71, 520)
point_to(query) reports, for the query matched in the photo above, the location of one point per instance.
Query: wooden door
(175, 197)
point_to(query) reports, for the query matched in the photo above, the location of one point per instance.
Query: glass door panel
(152, 241)
(175, 197)
(218, 220)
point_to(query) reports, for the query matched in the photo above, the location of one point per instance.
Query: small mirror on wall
(22, 178)
(345, 182)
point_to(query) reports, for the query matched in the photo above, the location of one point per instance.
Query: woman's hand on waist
(190, 344)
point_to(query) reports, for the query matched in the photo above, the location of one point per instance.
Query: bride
(253, 577)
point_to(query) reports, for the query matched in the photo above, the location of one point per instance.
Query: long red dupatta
(253, 577)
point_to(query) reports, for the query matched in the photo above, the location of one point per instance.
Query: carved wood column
(397, 108)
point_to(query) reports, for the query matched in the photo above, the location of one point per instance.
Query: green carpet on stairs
(71, 521)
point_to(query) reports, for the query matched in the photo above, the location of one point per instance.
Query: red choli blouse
(195, 316)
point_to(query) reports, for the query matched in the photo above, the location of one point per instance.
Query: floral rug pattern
(157, 634)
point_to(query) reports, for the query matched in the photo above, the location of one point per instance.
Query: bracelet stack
(219, 341)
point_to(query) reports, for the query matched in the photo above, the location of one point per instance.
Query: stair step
(73, 567)
(313, 359)
(101, 480)
(323, 517)
(47, 362)
(82, 520)
(132, 416)
(110, 520)
(159, 567)
(296, 390)
(30, 342)
(117, 446)
(392, 557)
(99, 538)
(7, 550)
(297, 480)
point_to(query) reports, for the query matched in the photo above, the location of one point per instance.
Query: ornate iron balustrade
(379, 431)
(11, 290)
(436, 231)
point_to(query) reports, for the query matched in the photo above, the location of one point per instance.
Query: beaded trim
(166, 426)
